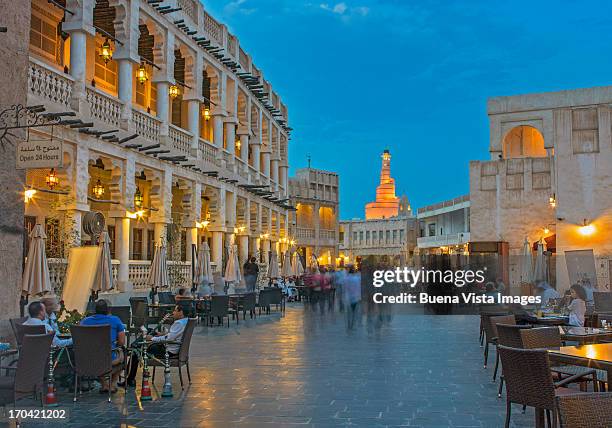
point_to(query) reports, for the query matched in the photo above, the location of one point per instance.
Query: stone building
(386, 205)
(181, 136)
(444, 228)
(314, 223)
(549, 178)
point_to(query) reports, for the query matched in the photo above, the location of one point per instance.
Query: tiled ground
(307, 369)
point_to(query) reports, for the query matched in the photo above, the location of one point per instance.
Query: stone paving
(306, 369)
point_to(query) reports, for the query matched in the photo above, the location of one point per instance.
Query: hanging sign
(39, 154)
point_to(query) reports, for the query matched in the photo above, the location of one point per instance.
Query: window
(145, 93)
(395, 236)
(368, 237)
(374, 237)
(44, 40)
(360, 237)
(150, 244)
(401, 235)
(355, 237)
(137, 244)
(105, 74)
(177, 108)
(431, 229)
(387, 236)
(381, 237)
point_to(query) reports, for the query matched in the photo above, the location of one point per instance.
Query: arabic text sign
(39, 154)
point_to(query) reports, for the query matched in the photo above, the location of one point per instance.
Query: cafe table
(585, 335)
(596, 356)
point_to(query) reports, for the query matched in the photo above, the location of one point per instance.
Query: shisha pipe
(167, 391)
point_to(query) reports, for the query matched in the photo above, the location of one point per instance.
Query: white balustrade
(189, 8)
(304, 233)
(327, 234)
(213, 28)
(146, 125)
(138, 273)
(104, 107)
(48, 83)
(209, 151)
(181, 139)
(244, 60)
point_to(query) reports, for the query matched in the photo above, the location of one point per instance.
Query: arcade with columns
(171, 133)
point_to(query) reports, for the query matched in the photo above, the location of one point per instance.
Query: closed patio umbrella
(526, 263)
(298, 269)
(539, 271)
(232, 268)
(203, 268)
(287, 268)
(104, 274)
(36, 280)
(273, 265)
(158, 272)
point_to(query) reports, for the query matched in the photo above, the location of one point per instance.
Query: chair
(90, 357)
(22, 330)
(529, 381)
(277, 298)
(490, 335)
(124, 313)
(495, 320)
(14, 323)
(585, 410)
(140, 314)
(508, 335)
(219, 308)
(166, 297)
(265, 299)
(30, 369)
(249, 302)
(182, 358)
(602, 301)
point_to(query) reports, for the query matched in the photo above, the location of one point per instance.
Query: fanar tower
(387, 205)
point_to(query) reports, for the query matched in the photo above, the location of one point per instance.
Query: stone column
(230, 132)
(122, 246)
(244, 148)
(256, 154)
(265, 249)
(217, 120)
(159, 232)
(163, 106)
(283, 179)
(125, 87)
(317, 225)
(78, 62)
(243, 248)
(266, 164)
(217, 249)
(253, 246)
(193, 123)
(274, 174)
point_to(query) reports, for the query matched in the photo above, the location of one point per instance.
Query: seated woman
(577, 307)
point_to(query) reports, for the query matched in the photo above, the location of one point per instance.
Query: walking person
(251, 270)
(352, 296)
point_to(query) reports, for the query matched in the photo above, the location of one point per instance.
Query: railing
(138, 273)
(445, 204)
(327, 234)
(209, 151)
(228, 157)
(146, 125)
(242, 168)
(254, 175)
(181, 139)
(189, 9)
(231, 45)
(104, 107)
(443, 240)
(244, 59)
(213, 28)
(304, 233)
(49, 84)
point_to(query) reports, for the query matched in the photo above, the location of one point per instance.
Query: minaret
(386, 204)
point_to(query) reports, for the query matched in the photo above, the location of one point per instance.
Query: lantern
(238, 144)
(98, 189)
(138, 198)
(173, 91)
(51, 179)
(141, 74)
(106, 52)
(206, 113)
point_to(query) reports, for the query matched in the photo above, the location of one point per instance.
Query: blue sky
(412, 76)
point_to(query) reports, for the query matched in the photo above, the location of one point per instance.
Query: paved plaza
(305, 369)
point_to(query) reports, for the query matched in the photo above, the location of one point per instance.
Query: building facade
(314, 224)
(549, 179)
(444, 228)
(177, 135)
(386, 205)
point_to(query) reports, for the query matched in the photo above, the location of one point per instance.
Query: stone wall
(13, 74)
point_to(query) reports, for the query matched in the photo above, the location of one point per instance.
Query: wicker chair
(550, 337)
(495, 320)
(22, 330)
(219, 308)
(487, 312)
(14, 323)
(30, 370)
(490, 333)
(508, 335)
(249, 302)
(182, 358)
(124, 313)
(277, 298)
(529, 381)
(585, 410)
(265, 300)
(90, 358)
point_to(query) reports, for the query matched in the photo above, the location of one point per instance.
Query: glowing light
(134, 215)
(586, 229)
(173, 91)
(28, 195)
(52, 179)
(552, 201)
(98, 189)
(202, 224)
(138, 198)
(141, 74)
(106, 52)
(206, 113)
(546, 231)
(238, 144)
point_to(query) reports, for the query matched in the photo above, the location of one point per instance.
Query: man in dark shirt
(251, 270)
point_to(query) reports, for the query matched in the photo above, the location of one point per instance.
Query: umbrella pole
(194, 257)
(23, 302)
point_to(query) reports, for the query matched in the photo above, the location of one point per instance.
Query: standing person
(339, 279)
(102, 316)
(38, 314)
(577, 308)
(352, 295)
(251, 270)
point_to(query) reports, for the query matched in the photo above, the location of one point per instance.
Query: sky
(411, 76)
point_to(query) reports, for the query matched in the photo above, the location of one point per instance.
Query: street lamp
(98, 189)
(51, 179)
(141, 74)
(106, 52)
(173, 91)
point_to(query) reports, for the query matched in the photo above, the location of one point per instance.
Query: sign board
(39, 154)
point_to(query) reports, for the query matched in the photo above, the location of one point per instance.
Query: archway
(523, 141)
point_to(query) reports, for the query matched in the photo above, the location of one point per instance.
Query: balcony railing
(327, 234)
(48, 83)
(146, 125)
(242, 169)
(104, 107)
(181, 139)
(209, 151)
(304, 233)
(443, 240)
(213, 28)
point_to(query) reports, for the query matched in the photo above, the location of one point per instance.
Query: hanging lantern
(238, 144)
(206, 113)
(141, 74)
(106, 52)
(173, 91)
(138, 198)
(98, 189)
(51, 179)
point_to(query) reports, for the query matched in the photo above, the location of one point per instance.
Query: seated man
(51, 308)
(117, 331)
(38, 314)
(158, 348)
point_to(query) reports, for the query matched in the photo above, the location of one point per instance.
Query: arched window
(523, 142)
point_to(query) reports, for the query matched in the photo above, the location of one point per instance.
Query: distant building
(314, 224)
(444, 228)
(389, 229)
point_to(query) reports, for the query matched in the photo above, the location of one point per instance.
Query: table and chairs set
(564, 372)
